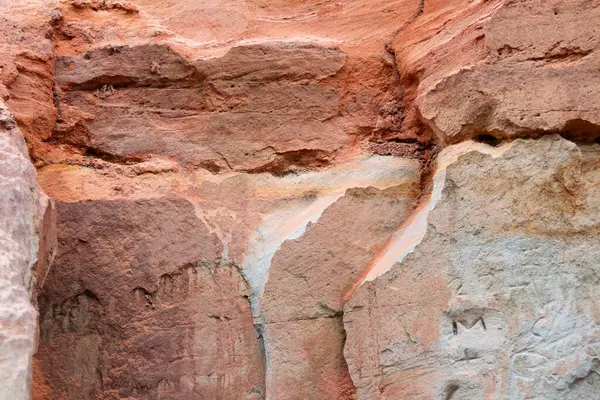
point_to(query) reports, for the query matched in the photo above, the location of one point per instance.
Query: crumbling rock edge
(27, 247)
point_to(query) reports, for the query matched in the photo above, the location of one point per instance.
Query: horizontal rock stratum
(326, 200)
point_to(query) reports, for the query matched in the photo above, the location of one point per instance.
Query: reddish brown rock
(139, 306)
(441, 38)
(504, 69)
(27, 67)
(311, 278)
(350, 22)
(243, 111)
(298, 90)
(305, 360)
(251, 214)
(499, 299)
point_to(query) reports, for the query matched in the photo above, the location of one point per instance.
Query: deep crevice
(490, 140)
(288, 162)
(581, 131)
(413, 18)
(451, 391)
(112, 158)
(564, 55)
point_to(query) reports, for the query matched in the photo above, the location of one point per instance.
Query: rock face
(181, 341)
(367, 199)
(27, 67)
(310, 280)
(27, 243)
(151, 314)
(499, 299)
(132, 85)
(507, 68)
(257, 107)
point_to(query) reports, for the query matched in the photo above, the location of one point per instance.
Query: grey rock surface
(23, 211)
(500, 299)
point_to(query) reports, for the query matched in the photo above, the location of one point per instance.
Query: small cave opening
(581, 131)
(488, 139)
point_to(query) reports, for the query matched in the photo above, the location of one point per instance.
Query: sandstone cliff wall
(302, 200)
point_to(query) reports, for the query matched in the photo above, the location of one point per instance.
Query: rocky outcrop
(498, 300)
(27, 244)
(288, 200)
(27, 216)
(138, 305)
(248, 228)
(27, 67)
(504, 69)
(264, 103)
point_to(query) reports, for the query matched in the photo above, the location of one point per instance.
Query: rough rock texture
(311, 278)
(502, 68)
(27, 65)
(240, 182)
(138, 306)
(256, 107)
(27, 242)
(27, 216)
(141, 80)
(249, 217)
(499, 300)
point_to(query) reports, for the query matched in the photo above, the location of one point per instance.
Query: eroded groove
(413, 18)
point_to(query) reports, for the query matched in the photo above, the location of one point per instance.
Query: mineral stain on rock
(367, 199)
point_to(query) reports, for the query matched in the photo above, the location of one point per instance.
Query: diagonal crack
(417, 14)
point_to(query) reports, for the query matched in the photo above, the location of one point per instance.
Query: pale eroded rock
(26, 248)
(499, 300)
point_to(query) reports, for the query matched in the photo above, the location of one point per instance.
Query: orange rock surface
(316, 199)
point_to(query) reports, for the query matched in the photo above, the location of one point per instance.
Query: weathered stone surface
(503, 68)
(255, 107)
(252, 215)
(26, 247)
(273, 92)
(442, 38)
(231, 172)
(350, 22)
(305, 360)
(26, 67)
(311, 278)
(138, 306)
(499, 300)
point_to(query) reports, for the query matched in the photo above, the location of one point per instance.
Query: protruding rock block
(500, 297)
(505, 69)
(310, 280)
(138, 305)
(258, 107)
